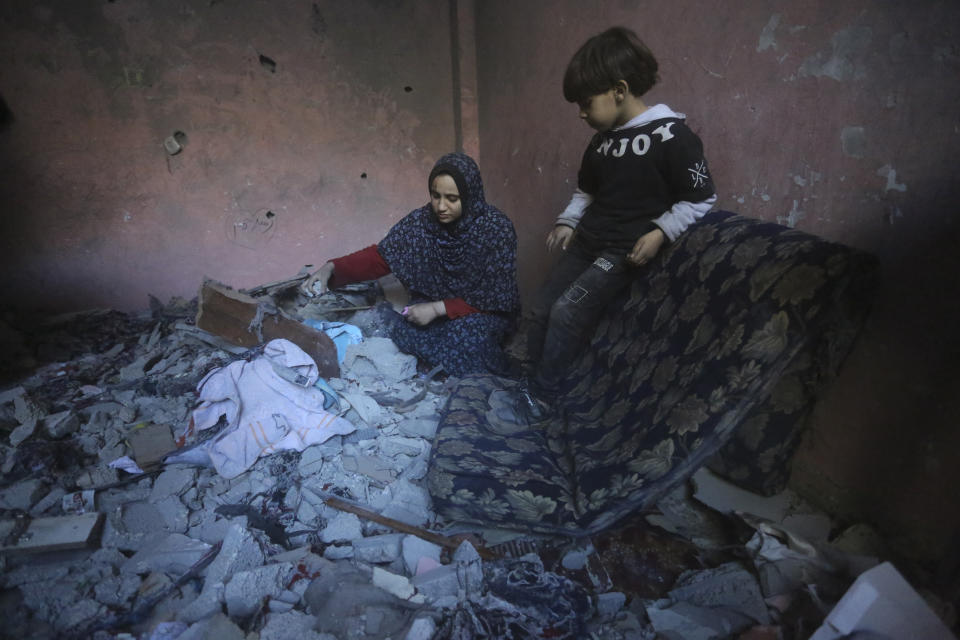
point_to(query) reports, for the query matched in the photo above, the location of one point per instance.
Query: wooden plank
(228, 313)
(53, 534)
(420, 532)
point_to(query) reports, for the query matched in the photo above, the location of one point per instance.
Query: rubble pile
(334, 541)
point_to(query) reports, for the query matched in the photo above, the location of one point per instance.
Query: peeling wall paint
(845, 59)
(890, 174)
(767, 36)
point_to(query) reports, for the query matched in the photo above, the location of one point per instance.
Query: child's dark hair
(605, 59)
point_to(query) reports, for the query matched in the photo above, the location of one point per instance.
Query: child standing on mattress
(642, 181)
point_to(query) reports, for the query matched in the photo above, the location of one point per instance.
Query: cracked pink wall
(335, 141)
(836, 118)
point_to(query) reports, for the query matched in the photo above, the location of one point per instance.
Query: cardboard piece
(150, 443)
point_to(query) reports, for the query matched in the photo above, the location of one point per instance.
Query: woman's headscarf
(473, 258)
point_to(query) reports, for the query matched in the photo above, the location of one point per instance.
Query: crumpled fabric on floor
(547, 604)
(270, 405)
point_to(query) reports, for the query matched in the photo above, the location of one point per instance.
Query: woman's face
(445, 199)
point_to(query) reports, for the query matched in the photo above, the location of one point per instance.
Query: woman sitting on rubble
(457, 258)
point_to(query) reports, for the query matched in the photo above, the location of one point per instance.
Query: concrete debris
(339, 540)
(416, 550)
(342, 528)
(247, 589)
(421, 629)
(378, 549)
(881, 603)
(377, 363)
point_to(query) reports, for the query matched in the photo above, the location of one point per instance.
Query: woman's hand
(647, 246)
(559, 237)
(317, 283)
(424, 313)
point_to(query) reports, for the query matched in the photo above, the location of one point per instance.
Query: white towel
(264, 411)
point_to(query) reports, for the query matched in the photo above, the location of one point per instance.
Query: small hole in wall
(363, 176)
(408, 88)
(268, 63)
(270, 214)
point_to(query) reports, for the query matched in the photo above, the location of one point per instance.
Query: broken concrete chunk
(25, 409)
(576, 559)
(365, 406)
(216, 626)
(174, 513)
(116, 591)
(392, 583)
(882, 604)
(60, 425)
(415, 549)
(311, 459)
(307, 562)
(397, 445)
(10, 395)
(247, 589)
(173, 481)
(51, 534)
(419, 428)
(141, 518)
(469, 569)
(343, 528)
(292, 625)
(422, 629)
(685, 621)
(80, 614)
(370, 466)
(610, 603)
(23, 432)
(208, 603)
(408, 503)
(728, 586)
(377, 360)
(23, 495)
(97, 476)
(171, 553)
(438, 583)
(378, 549)
(240, 551)
(338, 552)
(136, 369)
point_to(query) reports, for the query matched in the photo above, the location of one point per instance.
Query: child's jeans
(567, 309)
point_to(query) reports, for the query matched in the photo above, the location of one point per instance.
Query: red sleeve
(456, 308)
(366, 264)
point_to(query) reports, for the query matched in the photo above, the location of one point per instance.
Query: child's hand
(647, 246)
(424, 313)
(559, 237)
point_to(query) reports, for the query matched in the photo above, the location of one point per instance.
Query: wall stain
(767, 38)
(853, 141)
(891, 175)
(848, 47)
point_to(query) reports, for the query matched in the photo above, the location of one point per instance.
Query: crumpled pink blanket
(265, 411)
